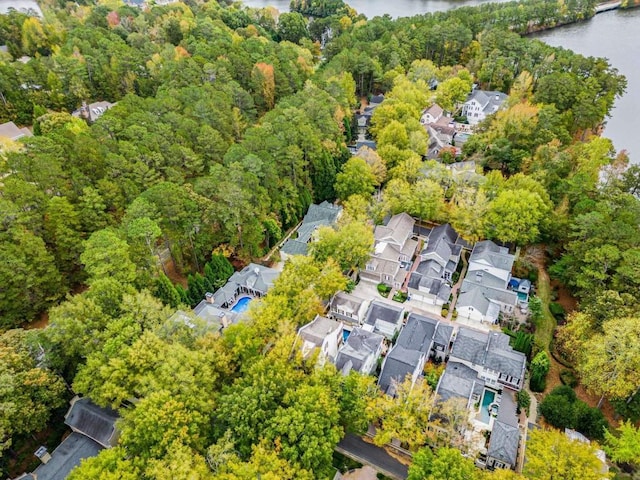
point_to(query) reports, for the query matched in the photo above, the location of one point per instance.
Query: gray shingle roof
(494, 255)
(382, 311)
(480, 296)
(67, 456)
(10, 130)
(458, 381)
(398, 230)
(95, 422)
(490, 100)
(324, 214)
(418, 333)
(359, 346)
(399, 363)
(443, 334)
(505, 436)
(488, 349)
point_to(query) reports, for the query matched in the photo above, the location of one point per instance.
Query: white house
(484, 293)
(324, 334)
(360, 352)
(348, 308)
(480, 104)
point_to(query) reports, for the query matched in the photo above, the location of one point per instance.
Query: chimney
(208, 297)
(42, 454)
(497, 97)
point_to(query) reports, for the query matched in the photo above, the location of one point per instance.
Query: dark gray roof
(435, 286)
(359, 346)
(443, 334)
(95, 422)
(489, 349)
(366, 143)
(458, 381)
(67, 456)
(382, 311)
(505, 436)
(253, 276)
(399, 363)
(492, 254)
(418, 333)
(470, 345)
(293, 246)
(445, 231)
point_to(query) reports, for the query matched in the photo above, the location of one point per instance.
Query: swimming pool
(345, 335)
(242, 304)
(487, 399)
(523, 297)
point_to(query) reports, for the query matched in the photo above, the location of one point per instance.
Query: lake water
(614, 35)
(20, 5)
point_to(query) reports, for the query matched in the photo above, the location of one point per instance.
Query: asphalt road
(368, 454)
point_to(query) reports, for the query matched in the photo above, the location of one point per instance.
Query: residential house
(431, 114)
(360, 352)
(28, 7)
(417, 342)
(93, 429)
(213, 314)
(325, 214)
(481, 103)
(348, 308)
(490, 354)
(91, 112)
(384, 319)
(441, 129)
(505, 436)
(11, 131)
(430, 282)
(484, 293)
(393, 251)
(460, 381)
(321, 334)
(253, 280)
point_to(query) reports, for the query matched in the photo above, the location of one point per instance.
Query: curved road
(357, 449)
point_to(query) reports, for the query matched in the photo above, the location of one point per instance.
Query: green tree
(515, 216)
(446, 464)
(292, 27)
(30, 280)
(109, 464)
(107, 255)
(29, 392)
(349, 245)
(166, 292)
(356, 178)
(624, 445)
(551, 455)
(539, 369)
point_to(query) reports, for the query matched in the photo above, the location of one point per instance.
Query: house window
(370, 268)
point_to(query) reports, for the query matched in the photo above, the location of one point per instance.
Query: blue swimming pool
(242, 304)
(487, 399)
(523, 297)
(345, 335)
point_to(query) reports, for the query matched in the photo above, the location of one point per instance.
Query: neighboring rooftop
(254, 279)
(66, 457)
(379, 311)
(418, 333)
(316, 331)
(11, 131)
(505, 435)
(360, 345)
(399, 363)
(95, 422)
(324, 214)
(490, 350)
(459, 381)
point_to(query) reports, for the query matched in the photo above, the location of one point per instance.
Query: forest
(229, 122)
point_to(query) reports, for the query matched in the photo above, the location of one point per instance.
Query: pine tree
(166, 292)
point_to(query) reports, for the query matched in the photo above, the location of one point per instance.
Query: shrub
(590, 421)
(350, 286)
(524, 400)
(557, 311)
(400, 297)
(444, 312)
(539, 370)
(523, 342)
(454, 315)
(558, 411)
(384, 289)
(568, 378)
